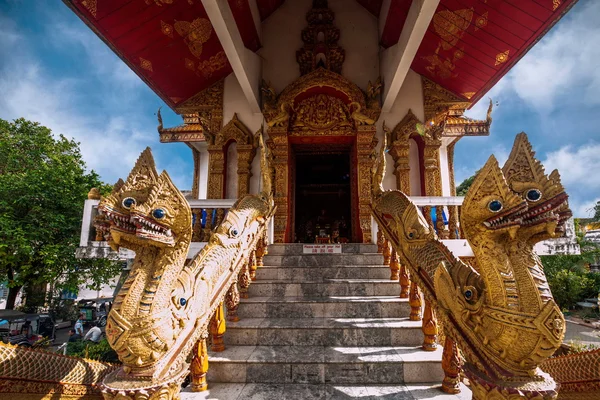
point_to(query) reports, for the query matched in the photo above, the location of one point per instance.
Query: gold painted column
(216, 172)
(365, 136)
(281, 153)
(199, 366)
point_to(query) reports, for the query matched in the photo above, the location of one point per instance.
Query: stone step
(319, 364)
(330, 287)
(324, 307)
(303, 274)
(345, 332)
(323, 260)
(296, 391)
(298, 248)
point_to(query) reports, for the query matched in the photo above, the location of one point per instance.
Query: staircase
(323, 326)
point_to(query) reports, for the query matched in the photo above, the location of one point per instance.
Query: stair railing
(442, 214)
(245, 273)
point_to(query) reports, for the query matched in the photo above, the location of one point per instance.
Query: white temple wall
(414, 161)
(444, 167)
(234, 102)
(231, 177)
(358, 37)
(410, 97)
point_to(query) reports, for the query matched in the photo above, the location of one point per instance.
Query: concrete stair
(323, 326)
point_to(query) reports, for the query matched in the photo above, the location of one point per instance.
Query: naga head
(491, 209)
(546, 199)
(147, 209)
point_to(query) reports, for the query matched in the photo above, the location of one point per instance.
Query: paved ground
(582, 334)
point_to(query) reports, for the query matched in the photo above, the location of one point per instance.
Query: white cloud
(559, 71)
(579, 169)
(107, 120)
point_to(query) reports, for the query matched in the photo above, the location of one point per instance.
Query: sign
(322, 248)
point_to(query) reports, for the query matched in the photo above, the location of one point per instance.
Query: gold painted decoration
(146, 64)
(166, 29)
(321, 112)
(481, 21)
(194, 34)
(502, 316)
(213, 64)
(451, 26)
(502, 57)
(91, 6)
(556, 4)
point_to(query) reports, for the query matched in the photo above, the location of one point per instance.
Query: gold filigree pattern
(502, 57)
(146, 64)
(481, 21)
(213, 64)
(502, 317)
(166, 29)
(194, 34)
(91, 6)
(321, 112)
(556, 4)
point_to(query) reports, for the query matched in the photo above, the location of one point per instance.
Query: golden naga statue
(165, 305)
(502, 314)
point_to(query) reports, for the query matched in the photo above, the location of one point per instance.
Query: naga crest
(501, 314)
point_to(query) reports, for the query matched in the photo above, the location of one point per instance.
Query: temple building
(325, 83)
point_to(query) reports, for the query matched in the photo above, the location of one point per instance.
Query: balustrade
(442, 215)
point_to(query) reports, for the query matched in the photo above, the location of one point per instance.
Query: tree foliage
(461, 190)
(43, 186)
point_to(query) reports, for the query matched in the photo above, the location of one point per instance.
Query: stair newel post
(414, 300)
(244, 279)
(394, 266)
(199, 366)
(429, 328)
(387, 252)
(232, 301)
(217, 329)
(404, 282)
(207, 225)
(451, 367)
(197, 228)
(439, 223)
(252, 266)
(380, 241)
(260, 253)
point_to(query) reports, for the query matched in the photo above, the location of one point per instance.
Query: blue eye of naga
(158, 213)
(468, 294)
(128, 202)
(495, 205)
(234, 232)
(533, 195)
(183, 302)
(411, 235)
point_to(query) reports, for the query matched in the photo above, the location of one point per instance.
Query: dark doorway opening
(323, 196)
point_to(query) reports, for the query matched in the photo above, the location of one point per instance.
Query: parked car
(28, 330)
(95, 310)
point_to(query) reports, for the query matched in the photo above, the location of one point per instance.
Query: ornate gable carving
(320, 39)
(408, 127)
(438, 100)
(234, 130)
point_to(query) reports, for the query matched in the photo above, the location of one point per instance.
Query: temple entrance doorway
(323, 188)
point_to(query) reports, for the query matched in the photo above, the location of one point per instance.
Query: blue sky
(54, 70)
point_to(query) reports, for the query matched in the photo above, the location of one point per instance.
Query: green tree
(461, 190)
(43, 186)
